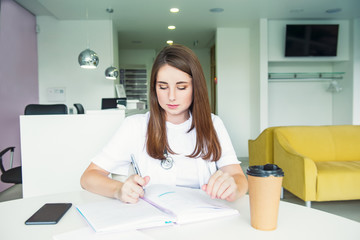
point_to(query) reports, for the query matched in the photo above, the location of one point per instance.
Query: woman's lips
(172, 106)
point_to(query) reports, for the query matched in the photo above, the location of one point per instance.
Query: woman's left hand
(228, 183)
(221, 185)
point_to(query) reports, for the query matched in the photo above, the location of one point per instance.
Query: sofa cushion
(338, 180)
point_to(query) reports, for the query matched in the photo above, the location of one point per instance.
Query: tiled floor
(347, 209)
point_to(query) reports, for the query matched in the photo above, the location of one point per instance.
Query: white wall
(204, 57)
(263, 78)
(343, 101)
(59, 44)
(303, 102)
(137, 58)
(299, 103)
(356, 72)
(143, 57)
(233, 67)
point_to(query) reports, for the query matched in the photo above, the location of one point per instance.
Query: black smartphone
(49, 213)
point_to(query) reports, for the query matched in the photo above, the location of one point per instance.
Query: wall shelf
(306, 76)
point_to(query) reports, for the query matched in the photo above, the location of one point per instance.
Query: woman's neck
(178, 119)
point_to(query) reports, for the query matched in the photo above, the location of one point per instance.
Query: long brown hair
(207, 143)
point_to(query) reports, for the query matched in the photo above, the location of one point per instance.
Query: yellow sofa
(261, 149)
(321, 163)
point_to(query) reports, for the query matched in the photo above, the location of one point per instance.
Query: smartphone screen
(49, 213)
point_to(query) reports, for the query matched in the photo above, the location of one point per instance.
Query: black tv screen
(311, 40)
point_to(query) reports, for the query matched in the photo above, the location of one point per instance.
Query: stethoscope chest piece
(168, 162)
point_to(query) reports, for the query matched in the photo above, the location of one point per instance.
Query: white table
(295, 222)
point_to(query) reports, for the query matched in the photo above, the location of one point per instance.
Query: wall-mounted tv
(311, 40)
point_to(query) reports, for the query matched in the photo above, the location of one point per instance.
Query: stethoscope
(168, 162)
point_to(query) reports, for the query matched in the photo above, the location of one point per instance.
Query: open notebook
(162, 205)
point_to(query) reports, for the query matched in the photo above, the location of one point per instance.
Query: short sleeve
(115, 156)
(228, 154)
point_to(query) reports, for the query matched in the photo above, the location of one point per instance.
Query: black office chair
(79, 108)
(11, 175)
(45, 109)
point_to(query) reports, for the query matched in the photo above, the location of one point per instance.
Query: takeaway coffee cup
(264, 192)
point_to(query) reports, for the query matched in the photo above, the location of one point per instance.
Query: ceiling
(143, 23)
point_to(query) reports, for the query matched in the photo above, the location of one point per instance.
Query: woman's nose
(172, 94)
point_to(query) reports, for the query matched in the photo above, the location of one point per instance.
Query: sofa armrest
(300, 171)
(261, 148)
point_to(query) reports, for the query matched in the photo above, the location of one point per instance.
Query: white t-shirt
(130, 138)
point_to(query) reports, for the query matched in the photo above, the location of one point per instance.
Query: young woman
(179, 142)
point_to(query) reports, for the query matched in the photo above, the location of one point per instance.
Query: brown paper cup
(264, 194)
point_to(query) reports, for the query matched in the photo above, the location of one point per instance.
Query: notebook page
(114, 215)
(187, 204)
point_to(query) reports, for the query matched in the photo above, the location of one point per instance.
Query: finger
(131, 200)
(228, 189)
(134, 194)
(227, 193)
(141, 181)
(227, 182)
(131, 190)
(217, 185)
(212, 180)
(147, 180)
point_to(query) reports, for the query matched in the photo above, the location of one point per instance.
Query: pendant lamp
(88, 59)
(111, 72)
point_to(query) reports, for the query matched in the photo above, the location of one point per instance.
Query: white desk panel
(56, 149)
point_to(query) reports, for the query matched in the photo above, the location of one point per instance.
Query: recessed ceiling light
(170, 42)
(174, 10)
(333, 10)
(216, 10)
(171, 27)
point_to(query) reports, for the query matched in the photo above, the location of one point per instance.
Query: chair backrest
(45, 109)
(79, 108)
(107, 103)
(2, 153)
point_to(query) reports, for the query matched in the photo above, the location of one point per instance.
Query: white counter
(56, 149)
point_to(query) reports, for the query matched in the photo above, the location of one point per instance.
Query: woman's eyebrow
(182, 82)
(161, 82)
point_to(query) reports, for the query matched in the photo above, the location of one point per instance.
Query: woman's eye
(163, 86)
(181, 87)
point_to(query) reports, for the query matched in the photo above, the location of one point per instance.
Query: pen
(135, 166)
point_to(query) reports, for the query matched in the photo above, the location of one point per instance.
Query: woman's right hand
(132, 189)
